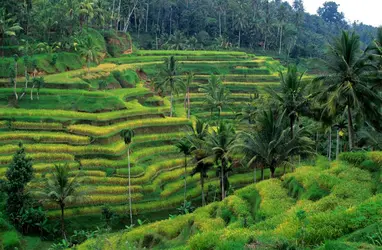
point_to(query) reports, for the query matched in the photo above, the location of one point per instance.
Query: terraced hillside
(323, 206)
(73, 121)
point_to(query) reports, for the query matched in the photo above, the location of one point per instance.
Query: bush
(10, 240)
(337, 245)
(204, 241)
(369, 165)
(355, 158)
(315, 192)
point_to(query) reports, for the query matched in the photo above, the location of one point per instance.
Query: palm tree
(376, 47)
(89, 51)
(86, 11)
(8, 26)
(185, 147)
(168, 80)
(197, 138)
(187, 85)
(217, 95)
(178, 41)
(291, 98)
(271, 145)
(127, 136)
(220, 141)
(240, 23)
(348, 83)
(62, 190)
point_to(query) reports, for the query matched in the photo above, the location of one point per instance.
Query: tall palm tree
(8, 26)
(240, 23)
(292, 96)
(39, 83)
(220, 141)
(271, 145)
(89, 51)
(185, 147)
(62, 189)
(127, 136)
(217, 96)
(169, 80)
(197, 137)
(86, 11)
(348, 83)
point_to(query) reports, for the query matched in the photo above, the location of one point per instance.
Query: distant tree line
(186, 24)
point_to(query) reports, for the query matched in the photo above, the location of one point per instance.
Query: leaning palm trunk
(129, 167)
(254, 175)
(26, 82)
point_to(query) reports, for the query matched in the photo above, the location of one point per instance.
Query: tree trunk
(338, 144)
(112, 15)
(202, 185)
(63, 221)
(291, 127)
(26, 82)
(32, 92)
(147, 15)
(330, 145)
(119, 16)
(185, 180)
(239, 38)
(171, 104)
(222, 181)
(281, 36)
(254, 175)
(129, 167)
(350, 127)
(272, 169)
(15, 83)
(188, 103)
(220, 24)
(262, 172)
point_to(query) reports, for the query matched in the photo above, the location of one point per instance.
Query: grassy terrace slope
(76, 123)
(324, 206)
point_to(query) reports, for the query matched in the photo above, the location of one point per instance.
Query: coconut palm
(185, 147)
(62, 189)
(348, 83)
(217, 96)
(292, 96)
(8, 26)
(169, 80)
(271, 145)
(127, 136)
(200, 152)
(89, 51)
(220, 141)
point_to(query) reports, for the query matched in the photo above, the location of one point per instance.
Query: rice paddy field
(75, 122)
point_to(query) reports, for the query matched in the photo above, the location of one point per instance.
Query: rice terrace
(197, 125)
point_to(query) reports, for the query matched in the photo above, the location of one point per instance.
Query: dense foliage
(162, 24)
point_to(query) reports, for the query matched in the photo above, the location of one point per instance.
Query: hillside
(334, 205)
(74, 121)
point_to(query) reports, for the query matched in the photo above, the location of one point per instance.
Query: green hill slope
(73, 121)
(325, 206)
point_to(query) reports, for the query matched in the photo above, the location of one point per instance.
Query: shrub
(315, 192)
(10, 240)
(355, 158)
(370, 165)
(204, 241)
(337, 245)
